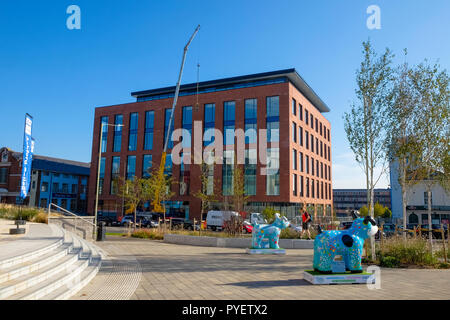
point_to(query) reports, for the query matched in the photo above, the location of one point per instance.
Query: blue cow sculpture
(346, 243)
(271, 232)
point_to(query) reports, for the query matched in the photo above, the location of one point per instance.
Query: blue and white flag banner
(28, 148)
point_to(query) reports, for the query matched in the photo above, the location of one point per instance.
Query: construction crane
(157, 207)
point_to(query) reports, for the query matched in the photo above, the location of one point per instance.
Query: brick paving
(172, 271)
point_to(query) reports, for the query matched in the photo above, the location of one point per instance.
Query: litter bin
(101, 231)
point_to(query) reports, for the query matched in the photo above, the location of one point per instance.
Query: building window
(209, 122)
(294, 159)
(294, 107)
(273, 172)
(317, 146)
(329, 153)
(312, 188)
(326, 191)
(43, 203)
(104, 128)
(273, 118)
(317, 188)
(425, 198)
(131, 167)
(44, 187)
(317, 126)
(306, 140)
(146, 165)
(187, 126)
(185, 175)
(312, 143)
(227, 172)
(167, 130)
(250, 172)
(307, 163)
(169, 165)
(55, 187)
(74, 189)
(115, 173)
(312, 121)
(294, 184)
(312, 166)
(328, 135)
(118, 121)
(321, 189)
(300, 135)
(301, 186)
(300, 160)
(294, 132)
(321, 128)
(329, 173)
(228, 122)
(321, 170)
(102, 175)
(321, 149)
(300, 111)
(317, 168)
(3, 175)
(149, 127)
(132, 137)
(250, 120)
(307, 187)
(306, 116)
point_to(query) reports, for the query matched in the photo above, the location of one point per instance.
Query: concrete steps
(56, 271)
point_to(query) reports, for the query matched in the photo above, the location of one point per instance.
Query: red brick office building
(273, 100)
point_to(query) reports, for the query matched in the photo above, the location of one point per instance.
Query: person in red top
(306, 218)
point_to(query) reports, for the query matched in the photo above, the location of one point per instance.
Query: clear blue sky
(59, 76)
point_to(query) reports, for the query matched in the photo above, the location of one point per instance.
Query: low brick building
(63, 182)
(298, 142)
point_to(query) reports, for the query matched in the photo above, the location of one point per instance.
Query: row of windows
(315, 189)
(309, 118)
(272, 120)
(321, 149)
(63, 188)
(319, 169)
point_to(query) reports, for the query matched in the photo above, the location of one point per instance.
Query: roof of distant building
(235, 83)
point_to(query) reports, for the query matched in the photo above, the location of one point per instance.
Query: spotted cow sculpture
(270, 232)
(345, 243)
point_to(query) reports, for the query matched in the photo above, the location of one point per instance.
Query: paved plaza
(144, 269)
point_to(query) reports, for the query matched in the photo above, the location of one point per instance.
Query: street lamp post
(98, 167)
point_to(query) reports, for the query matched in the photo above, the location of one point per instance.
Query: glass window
(273, 108)
(300, 160)
(168, 113)
(301, 186)
(294, 107)
(169, 165)
(3, 175)
(294, 159)
(317, 168)
(146, 165)
(307, 163)
(187, 126)
(294, 184)
(149, 127)
(118, 120)
(306, 139)
(317, 146)
(307, 187)
(312, 121)
(228, 172)
(74, 189)
(209, 121)
(312, 143)
(250, 172)
(44, 187)
(132, 137)
(104, 128)
(115, 171)
(300, 111)
(294, 132)
(250, 121)
(300, 135)
(102, 175)
(317, 126)
(228, 122)
(312, 166)
(273, 172)
(272, 119)
(273, 130)
(131, 167)
(306, 116)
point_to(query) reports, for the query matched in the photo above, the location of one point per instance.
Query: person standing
(306, 219)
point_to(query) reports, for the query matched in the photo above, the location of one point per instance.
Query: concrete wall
(78, 226)
(232, 242)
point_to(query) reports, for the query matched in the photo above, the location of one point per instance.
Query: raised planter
(232, 242)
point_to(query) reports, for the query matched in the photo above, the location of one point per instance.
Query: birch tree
(365, 124)
(431, 93)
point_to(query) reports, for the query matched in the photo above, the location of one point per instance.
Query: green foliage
(11, 212)
(363, 211)
(152, 234)
(409, 252)
(269, 214)
(387, 213)
(389, 262)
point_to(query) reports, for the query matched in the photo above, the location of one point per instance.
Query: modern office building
(59, 181)
(285, 167)
(417, 201)
(345, 200)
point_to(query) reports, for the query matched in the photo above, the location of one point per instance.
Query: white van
(216, 219)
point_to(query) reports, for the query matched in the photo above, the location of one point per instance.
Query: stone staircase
(49, 264)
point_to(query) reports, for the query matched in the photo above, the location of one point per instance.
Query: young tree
(206, 192)
(132, 190)
(431, 93)
(365, 123)
(402, 138)
(239, 198)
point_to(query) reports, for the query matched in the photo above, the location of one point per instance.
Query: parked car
(140, 221)
(215, 219)
(108, 220)
(247, 227)
(389, 229)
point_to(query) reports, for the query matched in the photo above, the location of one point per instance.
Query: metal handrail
(67, 211)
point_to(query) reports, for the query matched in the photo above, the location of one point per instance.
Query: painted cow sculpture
(345, 243)
(268, 231)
